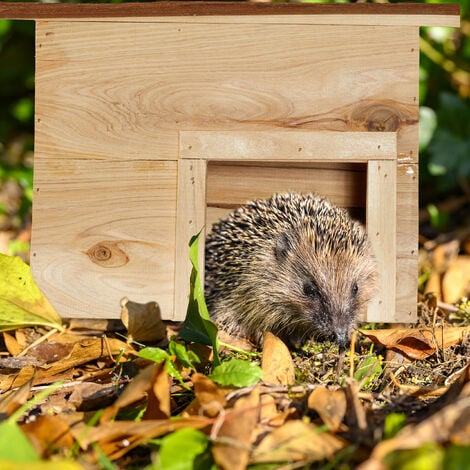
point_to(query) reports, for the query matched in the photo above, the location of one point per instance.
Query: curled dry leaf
(297, 441)
(233, 433)
(277, 364)
(47, 433)
(143, 321)
(116, 438)
(417, 343)
(158, 395)
(450, 424)
(136, 391)
(210, 400)
(456, 280)
(330, 405)
(417, 390)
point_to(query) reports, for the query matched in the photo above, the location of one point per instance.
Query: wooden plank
(407, 242)
(366, 13)
(190, 220)
(288, 146)
(381, 229)
(90, 101)
(103, 231)
(345, 188)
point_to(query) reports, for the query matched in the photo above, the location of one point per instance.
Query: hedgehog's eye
(354, 289)
(311, 288)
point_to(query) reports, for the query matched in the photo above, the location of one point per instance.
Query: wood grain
(103, 231)
(345, 188)
(366, 13)
(90, 101)
(381, 229)
(190, 220)
(288, 146)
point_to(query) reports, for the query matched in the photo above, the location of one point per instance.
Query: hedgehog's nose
(342, 339)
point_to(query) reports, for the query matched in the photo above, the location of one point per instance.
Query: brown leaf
(356, 414)
(330, 405)
(49, 433)
(451, 423)
(134, 392)
(297, 441)
(51, 351)
(143, 321)
(456, 280)
(417, 343)
(89, 396)
(116, 438)
(277, 364)
(9, 381)
(12, 400)
(158, 395)
(209, 400)
(11, 344)
(232, 443)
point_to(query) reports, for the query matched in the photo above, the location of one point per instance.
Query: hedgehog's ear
(284, 244)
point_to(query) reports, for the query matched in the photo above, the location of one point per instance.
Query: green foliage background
(444, 98)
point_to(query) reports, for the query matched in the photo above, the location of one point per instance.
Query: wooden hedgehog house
(153, 120)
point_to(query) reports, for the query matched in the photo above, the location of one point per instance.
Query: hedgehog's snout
(341, 338)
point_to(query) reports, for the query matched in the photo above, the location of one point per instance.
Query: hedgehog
(294, 265)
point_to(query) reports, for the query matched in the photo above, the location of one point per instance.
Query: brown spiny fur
(294, 265)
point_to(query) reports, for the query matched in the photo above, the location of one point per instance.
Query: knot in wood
(379, 117)
(107, 254)
(383, 120)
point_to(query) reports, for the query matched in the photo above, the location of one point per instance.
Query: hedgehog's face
(328, 287)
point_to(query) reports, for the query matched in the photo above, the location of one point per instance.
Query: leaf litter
(93, 394)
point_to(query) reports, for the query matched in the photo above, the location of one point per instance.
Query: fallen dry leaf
(456, 280)
(277, 364)
(297, 441)
(233, 432)
(417, 343)
(210, 400)
(356, 414)
(451, 423)
(142, 321)
(330, 405)
(48, 433)
(12, 400)
(89, 396)
(134, 392)
(158, 395)
(116, 438)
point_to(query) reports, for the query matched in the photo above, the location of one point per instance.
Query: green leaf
(187, 358)
(197, 326)
(456, 457)
(368, 370)
(429, 456)
(394, 422)
(185, 449)
(237, 372)
(14, 445)
(21, 301)
(159, 355)
(154, 354)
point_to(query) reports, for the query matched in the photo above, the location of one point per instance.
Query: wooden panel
(288, 145)
(361, 13)
(103, 231)
(125, 90)
(407, 242)
(381, 229)
(190, 220)
(345, 188)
